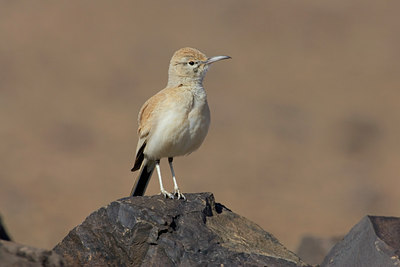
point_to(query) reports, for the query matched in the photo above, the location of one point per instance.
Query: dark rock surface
(163, 232)
(374, 241)
(154, 231)
(13, 254)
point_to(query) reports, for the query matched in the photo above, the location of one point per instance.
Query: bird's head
(189, 65)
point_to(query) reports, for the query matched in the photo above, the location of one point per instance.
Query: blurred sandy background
(305, 118)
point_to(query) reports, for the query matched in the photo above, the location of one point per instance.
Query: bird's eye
(191, 63)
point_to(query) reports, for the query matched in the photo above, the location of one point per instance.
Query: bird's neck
(174, 81)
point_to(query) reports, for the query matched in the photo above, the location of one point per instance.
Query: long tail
(144, 177)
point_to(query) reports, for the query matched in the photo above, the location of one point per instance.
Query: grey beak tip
(216, 58)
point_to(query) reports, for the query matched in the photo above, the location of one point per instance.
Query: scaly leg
(176, 189)
(163, 191)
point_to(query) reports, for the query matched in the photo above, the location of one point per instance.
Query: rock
(314, 249)
(374, 241)
(163, 232)
(13, 254)
(3, 233)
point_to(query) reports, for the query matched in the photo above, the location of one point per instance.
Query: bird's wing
(146, 115)
(164, 100)
(145, 121)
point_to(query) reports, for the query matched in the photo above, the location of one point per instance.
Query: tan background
(305, 117)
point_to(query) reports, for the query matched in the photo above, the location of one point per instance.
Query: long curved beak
(215, 59)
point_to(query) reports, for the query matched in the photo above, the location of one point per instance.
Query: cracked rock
(154, 231)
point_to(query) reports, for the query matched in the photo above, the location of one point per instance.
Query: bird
(175, 121)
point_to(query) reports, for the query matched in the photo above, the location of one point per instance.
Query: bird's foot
(167, 194)
(178, 194)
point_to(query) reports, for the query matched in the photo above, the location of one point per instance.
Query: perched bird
(175, 121)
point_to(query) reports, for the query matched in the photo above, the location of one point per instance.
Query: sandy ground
(305, 118)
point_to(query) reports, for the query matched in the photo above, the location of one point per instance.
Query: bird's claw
(167, 194)
(179, 195)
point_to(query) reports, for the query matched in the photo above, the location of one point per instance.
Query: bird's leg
(177, 193)
(163, 191)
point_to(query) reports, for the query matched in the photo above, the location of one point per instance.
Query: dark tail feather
(139, 158)
(144, 177)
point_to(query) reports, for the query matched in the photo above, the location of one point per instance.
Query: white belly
(178, 133)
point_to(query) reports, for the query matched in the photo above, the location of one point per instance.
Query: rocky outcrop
(154, 231)
(163, 232)
(13, 254)
(374, 241)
